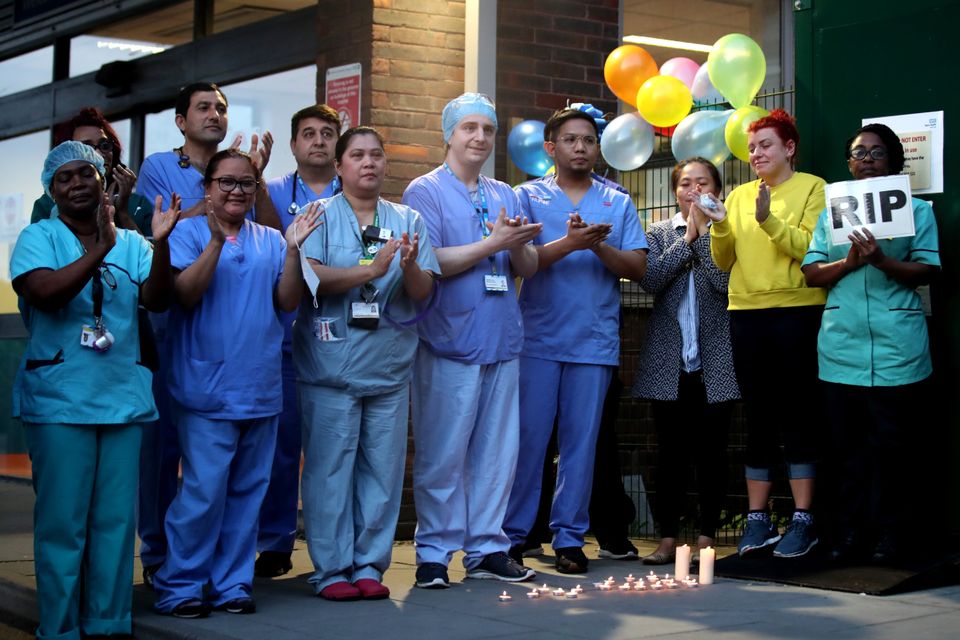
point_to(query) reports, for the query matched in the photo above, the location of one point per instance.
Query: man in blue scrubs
(571, 314)
(465, 398)
(201, 116)
(314, 132)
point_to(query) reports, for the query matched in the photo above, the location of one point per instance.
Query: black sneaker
(191, 609)
(238, 605)
(148, 572)
(571, 560)
(432, 575)
(500, 566)
(516, 552)
(272, 564)
(619, 550)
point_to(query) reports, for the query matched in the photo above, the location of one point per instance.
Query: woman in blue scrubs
(354, 356)
(82, 391)
(231, 277)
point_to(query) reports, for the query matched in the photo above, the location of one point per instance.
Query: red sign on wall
(343, 93)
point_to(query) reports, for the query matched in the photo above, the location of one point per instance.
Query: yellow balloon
(735, 131)
(626, 68)
(737, 68)
(663, 101)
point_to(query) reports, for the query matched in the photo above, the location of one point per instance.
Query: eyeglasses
(107, 277)
(571, 140)
(859, 153)
(228, 185)
(103, 144)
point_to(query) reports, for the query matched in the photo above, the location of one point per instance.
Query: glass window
(29, 70)
(255, 106)
(89, 53)
(23, 158)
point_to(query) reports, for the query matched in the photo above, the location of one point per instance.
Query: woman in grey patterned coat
(686, 363)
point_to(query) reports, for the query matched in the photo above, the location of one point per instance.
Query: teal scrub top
(874, 333)
(329, 352)
(139, 209)
(571, 309)
(59, 380)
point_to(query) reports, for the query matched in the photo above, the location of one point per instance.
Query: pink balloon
(683, 69)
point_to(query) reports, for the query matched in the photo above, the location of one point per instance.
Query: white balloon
(703, 90)
(701, 134)
(627, 142)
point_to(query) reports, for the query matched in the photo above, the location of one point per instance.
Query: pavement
(286, 608)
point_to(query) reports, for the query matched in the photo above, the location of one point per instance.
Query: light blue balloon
(703, 90)
(701, 134)
(525, 146)
(627, 142)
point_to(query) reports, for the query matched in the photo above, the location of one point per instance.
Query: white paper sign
(922, 138)
(882, 205)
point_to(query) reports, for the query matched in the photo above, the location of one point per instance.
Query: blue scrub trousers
(85, 479)
(278, 515)
(159, 469)
(572, 395)
(466, 425)
(354, 454)
(211, 524)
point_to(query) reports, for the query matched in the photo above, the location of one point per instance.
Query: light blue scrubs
(278, 515)
(224, 367)
(571, 317)
(82, 413)
(354, 395)
(465, 398)
(873, 332)
(160, 454)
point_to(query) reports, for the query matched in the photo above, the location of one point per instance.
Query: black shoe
(619, 550)
(886, 550)
(500, 566)
(272, 564)
(516, 552)
(571, 560)
(845, 548)
(148, 572)
(238, 605)
(432, 575)
(191, 609)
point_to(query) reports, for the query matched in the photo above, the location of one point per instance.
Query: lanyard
(369, 250)
(297, 182)
(479, 202)
(97, 285)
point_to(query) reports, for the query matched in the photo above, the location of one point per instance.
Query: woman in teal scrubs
(82, 391)
(354, 357)
(874, 355)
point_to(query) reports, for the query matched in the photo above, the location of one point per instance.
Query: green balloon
(735, 131)
(737, 68)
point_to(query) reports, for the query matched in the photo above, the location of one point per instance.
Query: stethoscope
(297, 182)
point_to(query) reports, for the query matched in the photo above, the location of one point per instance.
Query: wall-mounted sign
(882, 205)
(342, 93)
(922, 137)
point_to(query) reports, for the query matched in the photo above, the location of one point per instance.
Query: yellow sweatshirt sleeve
(794, 240)
(723, 242)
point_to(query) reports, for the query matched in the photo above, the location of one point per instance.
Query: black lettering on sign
(889, 201)
(844, 207)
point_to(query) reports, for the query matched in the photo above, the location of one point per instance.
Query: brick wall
(549, 51)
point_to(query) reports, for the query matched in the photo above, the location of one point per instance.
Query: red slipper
(340, 592)
(371, 589)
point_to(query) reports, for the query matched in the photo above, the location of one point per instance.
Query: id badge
(88, 336)
(494, 283)
(364, 315)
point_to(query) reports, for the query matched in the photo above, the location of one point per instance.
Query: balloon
(525, 146)
(735, 131)
(737, 68)
(627, 142)
(683, 69)
(663, 101)
(701, 134)
(703, 90)
(627, 67)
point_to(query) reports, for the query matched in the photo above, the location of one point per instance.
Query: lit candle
(683, 560)
(639, 587)
(707, 556)
(572, 594)
(610, 580)
(603, 586)
(505, 597)
(533, 594)
(690, 582)
(652, 577)
(578, 589)
(544, 588)
(559, 592)
(625, 586)
(631, 579)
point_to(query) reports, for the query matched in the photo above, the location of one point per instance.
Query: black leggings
(775, 356)
(690, 426)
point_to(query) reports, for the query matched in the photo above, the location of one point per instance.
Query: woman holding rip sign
(874, 352)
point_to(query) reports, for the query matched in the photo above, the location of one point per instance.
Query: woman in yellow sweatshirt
(761, 237)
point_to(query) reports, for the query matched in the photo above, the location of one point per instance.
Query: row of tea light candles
(651, 582)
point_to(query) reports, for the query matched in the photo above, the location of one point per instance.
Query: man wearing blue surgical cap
(82, 393)
(465, 393)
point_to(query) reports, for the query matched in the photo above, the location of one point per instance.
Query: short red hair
(781, 122)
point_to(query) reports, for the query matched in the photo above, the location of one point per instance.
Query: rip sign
(882, 205)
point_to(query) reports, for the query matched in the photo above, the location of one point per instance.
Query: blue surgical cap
(469, 104)
(67, 152)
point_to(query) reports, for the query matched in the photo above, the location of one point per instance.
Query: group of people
(307, 313)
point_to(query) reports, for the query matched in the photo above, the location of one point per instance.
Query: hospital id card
(495, 283)
(88, 336)
(365, 310)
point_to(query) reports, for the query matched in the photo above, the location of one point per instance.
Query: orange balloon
(626, 69)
